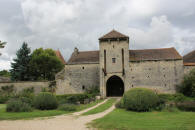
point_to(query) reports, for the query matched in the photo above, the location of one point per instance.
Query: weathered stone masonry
(115, 68)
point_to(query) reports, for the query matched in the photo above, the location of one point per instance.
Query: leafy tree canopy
(20, 66)
(44, 64)
(5, 73)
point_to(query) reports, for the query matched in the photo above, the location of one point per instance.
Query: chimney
(76, 51)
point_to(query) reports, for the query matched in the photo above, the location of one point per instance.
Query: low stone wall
(4, 79)
(19, 86)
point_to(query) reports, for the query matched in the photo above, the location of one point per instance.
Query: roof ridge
(153, 49)
(113, 34)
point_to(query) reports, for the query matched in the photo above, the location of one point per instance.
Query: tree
(2, 45)
(187, 87)
(20, 67)
(44, 64)
(5, 73)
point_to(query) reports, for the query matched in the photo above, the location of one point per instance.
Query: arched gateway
(114, 86)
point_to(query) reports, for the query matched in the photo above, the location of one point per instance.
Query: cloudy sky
(65, 24)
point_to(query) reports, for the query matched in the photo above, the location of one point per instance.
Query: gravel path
(63, 122)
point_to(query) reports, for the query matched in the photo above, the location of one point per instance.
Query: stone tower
(114, 63)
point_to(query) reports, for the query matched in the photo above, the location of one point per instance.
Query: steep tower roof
(112, 35)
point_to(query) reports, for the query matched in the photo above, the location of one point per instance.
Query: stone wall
(19, 86)
(77, 78)
(161, 76)
(4, 79)
(187, 69)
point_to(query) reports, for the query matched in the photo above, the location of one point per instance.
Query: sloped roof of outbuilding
(59, 55)
(189, 59)
(135, 55)
(113, 34)
(154, 54)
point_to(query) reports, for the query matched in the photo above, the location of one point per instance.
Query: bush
(68, 107)
(186, 106)
(45, 101)
(4, 98)
(178, 97)
(140, 99)
(187, 87)
(16, 105)
(120, 104)
(26, 100)
(73, 98)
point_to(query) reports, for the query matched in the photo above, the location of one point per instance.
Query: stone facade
(19, 86)
(115, 69)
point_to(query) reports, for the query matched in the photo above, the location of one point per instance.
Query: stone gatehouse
(115, 68)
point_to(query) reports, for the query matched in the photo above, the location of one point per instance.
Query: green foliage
(140, 99)
(52, 86)
(187, 87)
(178, 97)
(45, 101)
(4, 98)
(68, 107)
(16, 105)
(26, 100)
(2, 45)
(44, 64)
(7, 89)
(73, 98)
(5, 73)
(20, 67)
(94, 90)
(120, 103)
(186, 106)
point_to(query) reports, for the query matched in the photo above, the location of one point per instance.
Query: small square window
(113, 60)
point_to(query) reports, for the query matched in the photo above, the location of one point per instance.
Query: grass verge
(128, 120)
(38, 113)
(102, 107)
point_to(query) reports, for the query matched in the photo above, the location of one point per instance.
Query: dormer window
(113, 60)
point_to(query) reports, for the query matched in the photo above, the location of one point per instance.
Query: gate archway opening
(114, 86)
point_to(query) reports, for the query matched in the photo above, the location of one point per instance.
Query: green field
(127, 120)
(37, 113)
(101, 108)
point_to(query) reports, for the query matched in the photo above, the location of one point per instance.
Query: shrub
(120, 104)
(4, 98)
(16, 105)
(186, 106)
(187, 87)
(26, 100)
(73, 98)
(68, 107)
(178, 97)
(45, 101)
(140, 99)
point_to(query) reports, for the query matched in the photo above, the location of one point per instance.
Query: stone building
(115, 68)
(189, 62)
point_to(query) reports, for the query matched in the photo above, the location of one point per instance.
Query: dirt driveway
(63, 122)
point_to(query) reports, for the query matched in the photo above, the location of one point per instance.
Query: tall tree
(20, 67)
(2, 45)
(45, 64)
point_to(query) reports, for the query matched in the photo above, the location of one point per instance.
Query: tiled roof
(84, 57)
(59, 55)
(189, 59)
(113, 34)
(154, 54)
(135, 55)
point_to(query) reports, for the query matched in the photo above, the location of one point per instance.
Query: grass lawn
(127, 120)
(37, 113)
(101, 108)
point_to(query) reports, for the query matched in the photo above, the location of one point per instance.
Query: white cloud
(65, 24)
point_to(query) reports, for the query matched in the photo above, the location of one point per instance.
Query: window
(83, 87)
(113, 60)
(83, 68)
